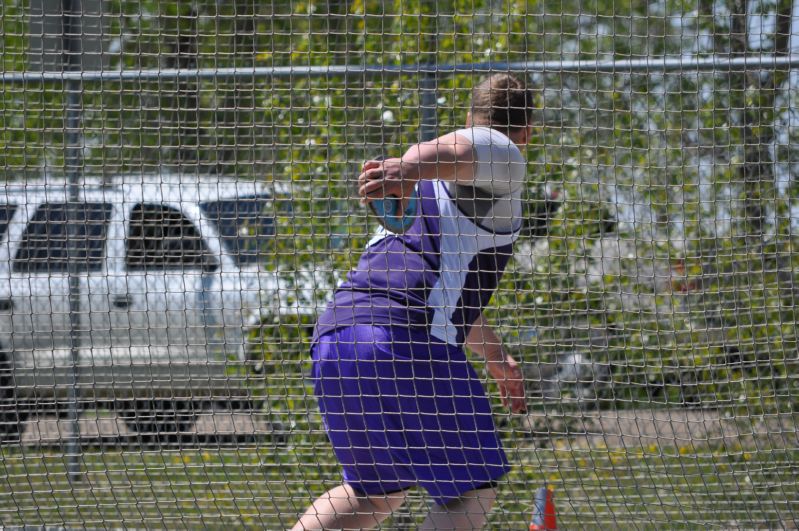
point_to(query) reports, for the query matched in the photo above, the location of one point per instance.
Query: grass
(266, 486)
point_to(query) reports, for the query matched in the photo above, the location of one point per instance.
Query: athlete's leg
(470, 511)
(343, 508)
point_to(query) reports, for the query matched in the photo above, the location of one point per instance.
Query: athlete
(401, 404)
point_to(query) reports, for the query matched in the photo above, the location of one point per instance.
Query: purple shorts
(404, 409)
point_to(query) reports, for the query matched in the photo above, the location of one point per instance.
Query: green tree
(671, 260)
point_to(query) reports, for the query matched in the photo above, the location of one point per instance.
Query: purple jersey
(439, 275)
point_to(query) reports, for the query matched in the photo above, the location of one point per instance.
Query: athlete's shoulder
(484, 135)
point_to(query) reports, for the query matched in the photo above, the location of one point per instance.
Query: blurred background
(651, 298)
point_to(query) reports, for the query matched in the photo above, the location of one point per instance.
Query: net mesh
(179, 202)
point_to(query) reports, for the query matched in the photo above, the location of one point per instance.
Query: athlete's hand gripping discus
(389, 213)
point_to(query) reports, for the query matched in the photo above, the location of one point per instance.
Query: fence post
(428, 85)
(73, 162)
(429, 95)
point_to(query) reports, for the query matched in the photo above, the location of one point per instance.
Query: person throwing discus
(400, 403)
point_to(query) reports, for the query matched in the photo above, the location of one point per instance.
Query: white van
(166, 275)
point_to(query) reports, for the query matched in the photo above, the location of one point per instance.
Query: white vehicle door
(166, 260)
(40, 270)
(106, 311)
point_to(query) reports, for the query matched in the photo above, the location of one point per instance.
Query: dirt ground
(595, 430)
(112, 430)
(666, 428)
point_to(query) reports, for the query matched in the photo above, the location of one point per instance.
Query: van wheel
(159, 421)
(12, 413)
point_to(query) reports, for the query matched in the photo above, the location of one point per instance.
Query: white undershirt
(500, 170)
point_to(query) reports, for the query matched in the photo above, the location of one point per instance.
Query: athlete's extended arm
(501, 366)
(449, 158)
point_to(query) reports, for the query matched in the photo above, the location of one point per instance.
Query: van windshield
(245, 225)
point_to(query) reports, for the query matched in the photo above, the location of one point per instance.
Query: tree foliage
(671, 260)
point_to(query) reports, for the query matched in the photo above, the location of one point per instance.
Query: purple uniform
(438, 276)
(401, 404)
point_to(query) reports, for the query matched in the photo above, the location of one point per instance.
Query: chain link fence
(178, 204)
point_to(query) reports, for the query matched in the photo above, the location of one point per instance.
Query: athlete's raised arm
(449, 158)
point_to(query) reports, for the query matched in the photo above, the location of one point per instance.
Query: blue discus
(387, 212)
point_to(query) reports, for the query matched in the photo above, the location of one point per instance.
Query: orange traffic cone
(544, 510)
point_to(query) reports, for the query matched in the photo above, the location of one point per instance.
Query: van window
(246, 226)
(161, 237)
(6, 213)
(47, 245)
